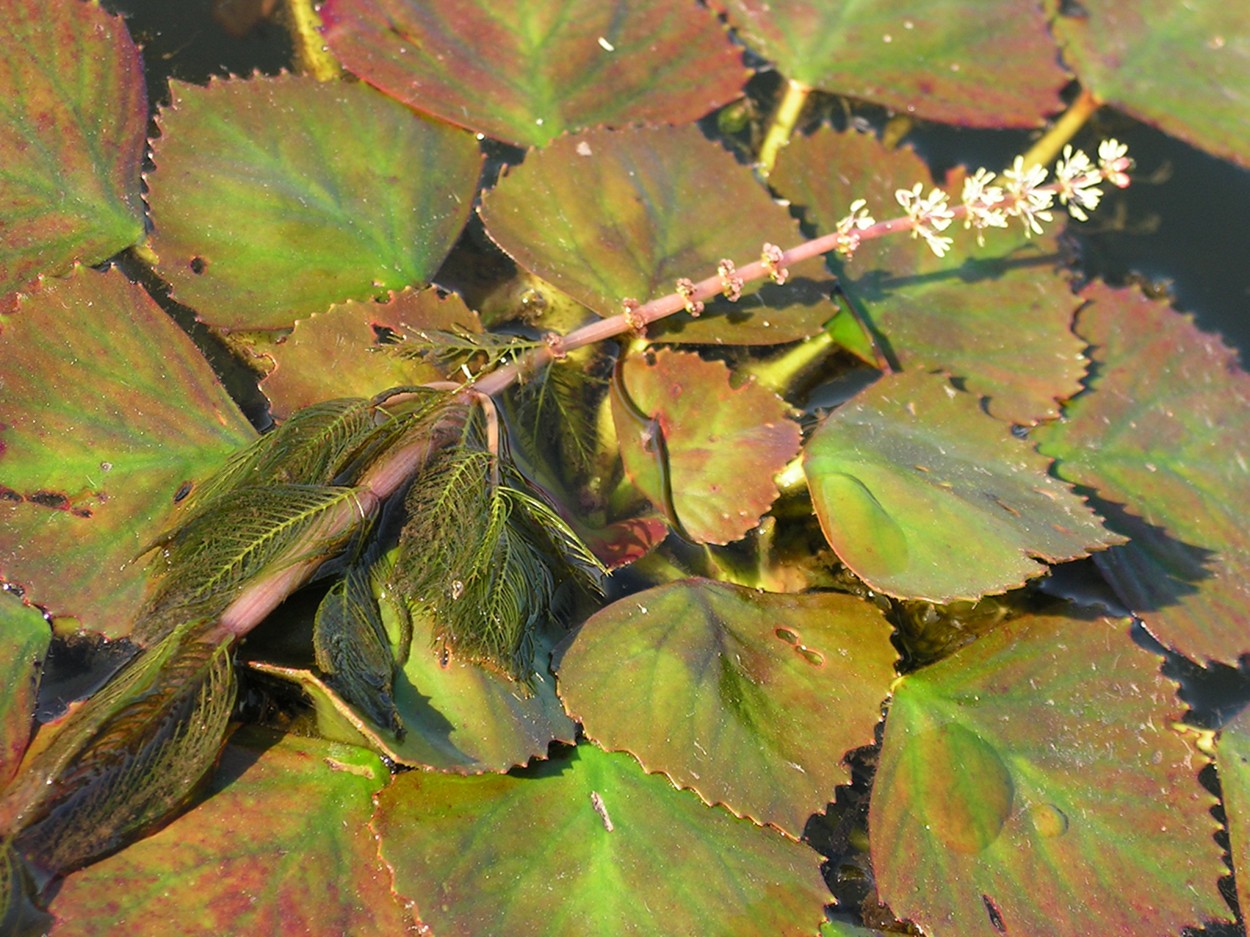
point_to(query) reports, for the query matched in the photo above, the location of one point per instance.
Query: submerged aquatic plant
(639, 380)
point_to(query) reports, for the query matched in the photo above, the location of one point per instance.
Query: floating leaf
(750, 699)
(954, 61)
(24, 637)
(338, 352)
(1032, 783)
(610, 215)
(281, 845)
(572, 846)
(274, 198)
(457, 716)
(998, 317)
(1183, 69)
(1233, 760)
(127, 758)
(695, 444)
(71, 139)
(1162, 431)
(924, 496)
(537, 69)
(102, 434)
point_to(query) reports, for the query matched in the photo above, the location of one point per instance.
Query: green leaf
(274, 198)
(1159, 439)
(1233, 761)
(610, 215)
(924, 496)
(589, 844)
(956, 61)
(338, 352)
(997, 317)
(102, 434)
(1182, 69)
(700, 449)
(72, 128)
(280, 845)
(125, 759)
(750, 699)
(553, 66)
(1032, 783)
(24, 638)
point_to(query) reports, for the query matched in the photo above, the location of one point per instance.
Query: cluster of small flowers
(1023, 194)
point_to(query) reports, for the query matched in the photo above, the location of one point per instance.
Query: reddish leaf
(750, 699)
(1032, 784)
(695, 444)
(275, 197)
(71, 139)
(110, 413)
(1159, 437)
(959, 61)
(281, 845)
(534, 69)
(610, 215)
(24, 637)
(338, 354)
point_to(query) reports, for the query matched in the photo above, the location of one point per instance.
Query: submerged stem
(781, 127)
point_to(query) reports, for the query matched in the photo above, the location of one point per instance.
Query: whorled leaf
(750, 699)
(123, 760)
(1159, 439)
(281, 844)
(1233, 760)
(1032, 783)
(610, 215)
(102, 434)
(536, 69)
(340, 352)
(573, 846)
(205, 565)
(274, 198)
(702, 450)
(1181, 69)
(71, 139)
(998, 317)
(924, 496)
(955, 61)
(482, 556)
(24, 638)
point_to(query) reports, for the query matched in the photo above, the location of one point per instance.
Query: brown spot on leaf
(183, 490)
(49, 499)
(198, 265)
(8, 494)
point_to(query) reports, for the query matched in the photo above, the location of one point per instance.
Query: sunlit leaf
(128, 757)
(572, 845)
(696, 444)
(1160, 439)
(102, 433)
(24, 637)
(274, 198)
(1183, 69)
(338, 352)
(72, 122)
(610, 215)
(924, 496)
(535, 69)
(998, 317)
(751, 699)
(281, 845)
(1032, 783)
(1233, 760)
(955, 61)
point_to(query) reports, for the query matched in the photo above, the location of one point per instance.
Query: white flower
(1114, 163)
(928, 215)
(1077, 180)
(1026, 199)
(983, 203)
(849, 227)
